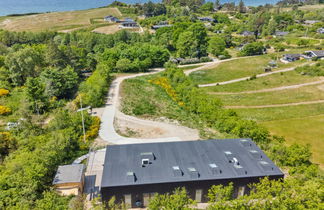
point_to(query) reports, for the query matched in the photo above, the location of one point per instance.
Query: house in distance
(133, 173)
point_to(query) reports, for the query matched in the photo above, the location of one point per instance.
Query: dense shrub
(255, 48)
(4, 110)
(4, 92)
(312, 70)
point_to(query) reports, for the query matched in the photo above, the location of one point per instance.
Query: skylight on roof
(192, 169)
(213, 165)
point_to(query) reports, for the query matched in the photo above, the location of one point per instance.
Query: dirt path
(208, 65)
(270, 89)
(246, 78)
(157, 131)
(275, 105)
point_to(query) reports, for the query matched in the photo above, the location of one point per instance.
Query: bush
(3, 92)
(255, 48)
(4, 110)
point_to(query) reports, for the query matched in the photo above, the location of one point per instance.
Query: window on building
(128, 199)
(240, 191)
(147, 197)
(198, 195)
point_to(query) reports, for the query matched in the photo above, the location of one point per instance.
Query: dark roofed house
(281, 33)
(291, 57)
(320, 30)
(319, 54)
(128, 25)
(111, 19)
(206, 19)
(134, 173)
(247, 33)
(311, 22)
(69, 179)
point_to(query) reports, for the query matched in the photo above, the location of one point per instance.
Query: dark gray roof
(281, 33)
(69, 174)
(319, 53)
(292, 55)
(185, 161)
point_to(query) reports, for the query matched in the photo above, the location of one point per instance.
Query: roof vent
(177, 171)
(148, 155)
(255, 154)
(246, 143)
(193, 173)
(145, 162)
(214, 169)
(266, 166)
(130, 176)
(229, 155)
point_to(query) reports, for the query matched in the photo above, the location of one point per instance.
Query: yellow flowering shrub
(165, 84)
(3, 92)
(4, 110)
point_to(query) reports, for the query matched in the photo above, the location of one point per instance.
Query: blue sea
(8, 7)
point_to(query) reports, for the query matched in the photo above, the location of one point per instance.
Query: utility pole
(84, 136)
(81, 110)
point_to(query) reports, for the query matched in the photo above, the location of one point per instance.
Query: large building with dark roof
(134, 173)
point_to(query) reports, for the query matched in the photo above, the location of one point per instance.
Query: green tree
(241, 7)
(177, 201)
(255, 48)
(59, 83)
(24, 63)
(220, 193)
(216, 45)
(35, 91)
(187, 45)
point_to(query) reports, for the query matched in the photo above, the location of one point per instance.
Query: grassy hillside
(298, 123)
(58, 20)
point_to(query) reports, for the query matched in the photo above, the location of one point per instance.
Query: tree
(216, 45)
(186, 45)
(59, 83)
(35, 91)
(220, 193)
(255, 48)
(178, 200)
(24, 63)
(242, 8)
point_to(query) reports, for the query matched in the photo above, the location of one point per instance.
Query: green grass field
(272, 81)
(58, 20)
(234, 69)
(308, 130)
(307, 93)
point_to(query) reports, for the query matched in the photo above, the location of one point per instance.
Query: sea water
(8, 7)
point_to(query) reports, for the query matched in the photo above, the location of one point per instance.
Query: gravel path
(275, 105)
(270, 89)
(108, 133)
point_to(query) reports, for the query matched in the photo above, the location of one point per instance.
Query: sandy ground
(130, 126)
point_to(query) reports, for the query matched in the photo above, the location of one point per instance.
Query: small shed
(111, 19)
(69, 179)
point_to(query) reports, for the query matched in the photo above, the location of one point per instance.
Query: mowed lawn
(308, 130)
(271, 81)
(302, 94)
(56, 20)
(238, 68)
